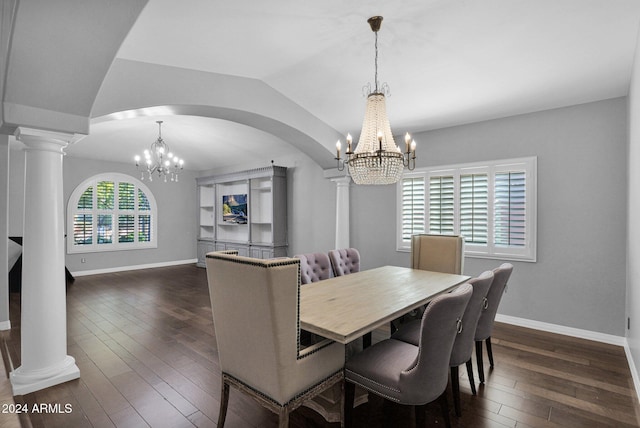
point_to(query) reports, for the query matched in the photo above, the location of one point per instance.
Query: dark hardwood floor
(145, 346)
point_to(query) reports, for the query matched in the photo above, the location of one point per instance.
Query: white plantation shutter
(413, 215)
(509, 213)
(491, 204)
(126, 196)
(82, 229)
(110, 212)
(144, 218)
(474, 208)
(441, 204)
(83, 218)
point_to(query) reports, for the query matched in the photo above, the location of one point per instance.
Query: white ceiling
(447, 62)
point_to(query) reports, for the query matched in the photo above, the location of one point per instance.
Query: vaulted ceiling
(446, 62)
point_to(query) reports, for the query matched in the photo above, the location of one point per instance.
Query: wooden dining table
(346, 307)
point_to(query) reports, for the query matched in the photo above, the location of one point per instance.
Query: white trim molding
(560, 329)
(133, 267)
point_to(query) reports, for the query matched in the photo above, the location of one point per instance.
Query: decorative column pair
(43, 324)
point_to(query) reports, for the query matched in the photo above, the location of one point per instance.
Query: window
(111, 212)
(491, 204)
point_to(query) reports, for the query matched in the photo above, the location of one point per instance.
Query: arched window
(111, 212)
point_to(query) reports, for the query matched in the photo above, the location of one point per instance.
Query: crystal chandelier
(377, 159)
(159, 159)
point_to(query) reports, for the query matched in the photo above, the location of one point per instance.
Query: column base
(24, 382)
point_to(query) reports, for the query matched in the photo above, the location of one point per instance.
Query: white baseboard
(560, 329)
(134, 267)
(5, 325)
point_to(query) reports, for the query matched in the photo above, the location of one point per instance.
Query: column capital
(40, 139)
(345, 180)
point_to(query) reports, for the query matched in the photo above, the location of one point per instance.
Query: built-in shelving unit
(244, 211)
(262, 212)
(206, 198)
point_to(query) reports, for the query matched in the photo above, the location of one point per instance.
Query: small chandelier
(159, 159)
(377, 159)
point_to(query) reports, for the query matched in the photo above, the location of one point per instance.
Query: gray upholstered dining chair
(255, 305)
(314, 267)
(345, 261)
(407, 374)
(439, 253)
(501, 276)
(463, 346)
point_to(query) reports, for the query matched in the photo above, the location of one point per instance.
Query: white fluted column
(43, 324)
(342, 211)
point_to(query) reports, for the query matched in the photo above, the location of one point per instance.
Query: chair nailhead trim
(266, 397)
(224, 255)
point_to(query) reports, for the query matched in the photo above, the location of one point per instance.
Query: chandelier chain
(375, 81)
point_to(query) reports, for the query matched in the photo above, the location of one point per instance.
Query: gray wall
(176, 211)
(579, 278)
(311, 209)
(633, 241)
